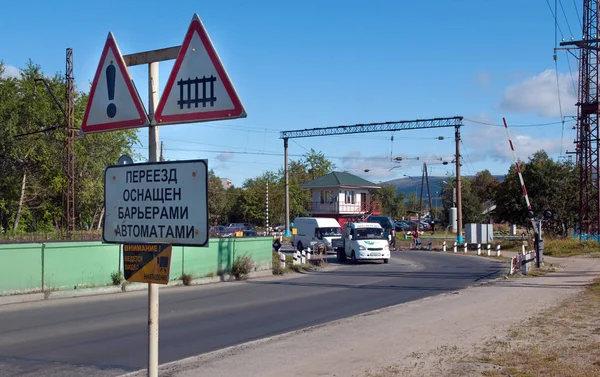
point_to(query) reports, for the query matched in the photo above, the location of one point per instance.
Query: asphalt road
(106, 335)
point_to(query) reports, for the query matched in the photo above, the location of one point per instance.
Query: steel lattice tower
(586, 141)
(587, 122)
(70, 150)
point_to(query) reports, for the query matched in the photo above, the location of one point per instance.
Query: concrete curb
(128, 287)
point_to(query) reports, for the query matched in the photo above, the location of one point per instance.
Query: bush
(116, 277)
(241, 267)
(186, 279)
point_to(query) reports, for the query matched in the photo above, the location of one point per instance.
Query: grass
(563, 341)
(116, 277)
(567, 247)
(186, 279)
(559, 342)
(291, 267)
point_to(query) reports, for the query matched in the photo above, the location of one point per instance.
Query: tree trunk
(20, 207)
(100, 218)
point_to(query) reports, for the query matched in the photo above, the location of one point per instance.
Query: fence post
(489, 250)
(478, 249)
(303, 260)
(281, 260)
(497, 250)
(43, 268)
(465, 247)
(455, 247)
(444, 246)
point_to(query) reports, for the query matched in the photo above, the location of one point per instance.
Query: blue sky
(308, 64)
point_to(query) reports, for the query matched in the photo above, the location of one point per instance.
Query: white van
(364, 241)
(315, 229)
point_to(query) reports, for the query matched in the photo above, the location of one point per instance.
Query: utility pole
(459, 225)
(287, 188)
(70, 155)
(421, 200)
(428, 191)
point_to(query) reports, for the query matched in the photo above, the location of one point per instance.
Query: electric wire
(577, 13)
(554, 16)
(562, 132)
(466, 153)
(565, 15)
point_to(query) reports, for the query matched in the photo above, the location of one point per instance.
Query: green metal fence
(71, 265)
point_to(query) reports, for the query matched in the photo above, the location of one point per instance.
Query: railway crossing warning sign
(147, 263)
(113, 103)
(198, 88)
(163, 202)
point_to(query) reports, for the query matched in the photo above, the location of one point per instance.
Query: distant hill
(407, 185)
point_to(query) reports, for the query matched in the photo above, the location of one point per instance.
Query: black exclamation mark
(111, 109)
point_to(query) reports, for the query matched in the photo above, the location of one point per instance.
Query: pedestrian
(393, 233)
(417, 240)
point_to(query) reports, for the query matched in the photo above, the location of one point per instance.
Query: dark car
(385, 221)
(402, 226)
(219, 231)
(250, 233)
(243, 226)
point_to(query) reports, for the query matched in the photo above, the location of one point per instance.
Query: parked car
(386, 223)
(219, 231)
(243, 226)
(402, 226)
(279, 228)
(250, 233)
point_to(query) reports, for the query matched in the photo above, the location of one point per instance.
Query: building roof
(339, 179)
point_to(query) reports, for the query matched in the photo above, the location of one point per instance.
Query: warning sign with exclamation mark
(114, 102)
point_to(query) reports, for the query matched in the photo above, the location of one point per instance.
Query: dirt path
(429, 337)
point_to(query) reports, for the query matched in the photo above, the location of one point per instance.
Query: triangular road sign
(113, 102)
(198, 88)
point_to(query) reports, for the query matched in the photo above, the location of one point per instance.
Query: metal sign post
(153, 296)
(114, 104)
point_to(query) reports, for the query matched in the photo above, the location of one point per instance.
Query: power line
(578, 16)
(565, 14)
(468, 157)
(301, 146)
(555, 21)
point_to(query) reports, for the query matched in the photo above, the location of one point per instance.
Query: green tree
(485, 185)
(32, 181)
(550, 185)
(217, 199)
(392, 203)
(472, 205)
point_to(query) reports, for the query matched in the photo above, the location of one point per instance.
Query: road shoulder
(408, 336)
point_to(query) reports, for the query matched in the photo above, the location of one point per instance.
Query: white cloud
(378, 167)
(10, 71)
(225, 156)
(491, 143)
(539, 95)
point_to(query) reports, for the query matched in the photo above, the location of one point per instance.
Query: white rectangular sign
(163, 202)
